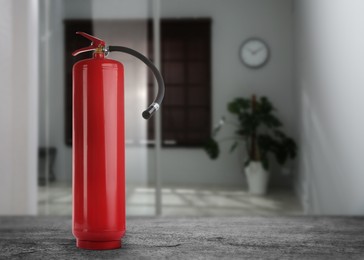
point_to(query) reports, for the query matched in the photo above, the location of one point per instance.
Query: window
(185, 62)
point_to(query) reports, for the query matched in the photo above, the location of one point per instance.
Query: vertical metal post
(157, 117)
(46, 38)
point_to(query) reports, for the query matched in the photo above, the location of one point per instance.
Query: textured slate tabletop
(192, 238)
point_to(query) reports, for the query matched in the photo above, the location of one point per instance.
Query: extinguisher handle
(161, 89)
(95, 43)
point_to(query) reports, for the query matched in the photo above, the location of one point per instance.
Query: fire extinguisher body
(98, 153)
(98, 219)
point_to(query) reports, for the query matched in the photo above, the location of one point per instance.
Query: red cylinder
(98, 219)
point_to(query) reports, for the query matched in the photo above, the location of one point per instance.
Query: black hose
(158, 100)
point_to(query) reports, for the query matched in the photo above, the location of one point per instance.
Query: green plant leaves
(265, 161)
(218, 127)
(233, 147)
(288, 144)
(252, 123)
(291, 147)
(212, 148)
(265, 142)
(270, 121)
(238, 105)
(279, 134)
(242, 132)
(264, 106)
(281, 154)
(234, 108)
(278, 144)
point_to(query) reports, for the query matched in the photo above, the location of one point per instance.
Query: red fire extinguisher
(98, 219)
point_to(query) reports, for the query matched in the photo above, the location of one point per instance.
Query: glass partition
(197, 46)
(125, 23)
(200, 59)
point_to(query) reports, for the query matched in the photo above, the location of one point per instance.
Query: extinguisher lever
(96, 43)
(161, 89)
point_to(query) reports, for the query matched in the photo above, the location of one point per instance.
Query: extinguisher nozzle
(146, 114)
(160, 95)
(150, 111)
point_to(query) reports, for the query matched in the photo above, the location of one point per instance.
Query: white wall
(18, 106)
(329, 80)
(233, 22)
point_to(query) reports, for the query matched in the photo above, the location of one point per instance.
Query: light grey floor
(292, 237)
(179, 201)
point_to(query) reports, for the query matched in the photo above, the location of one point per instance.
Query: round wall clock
(254, 53)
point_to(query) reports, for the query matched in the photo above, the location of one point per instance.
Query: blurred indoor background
(313, 76)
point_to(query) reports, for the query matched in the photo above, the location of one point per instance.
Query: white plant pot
(257, 178)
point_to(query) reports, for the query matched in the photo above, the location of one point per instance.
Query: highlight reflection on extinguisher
(98, 219)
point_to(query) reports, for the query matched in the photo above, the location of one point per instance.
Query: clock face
(254, 53)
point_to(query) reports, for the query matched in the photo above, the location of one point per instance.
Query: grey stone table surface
(192, 238)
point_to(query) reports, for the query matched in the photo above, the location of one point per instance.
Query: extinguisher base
(98, 245)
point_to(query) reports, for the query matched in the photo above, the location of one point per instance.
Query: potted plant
(260, 131)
